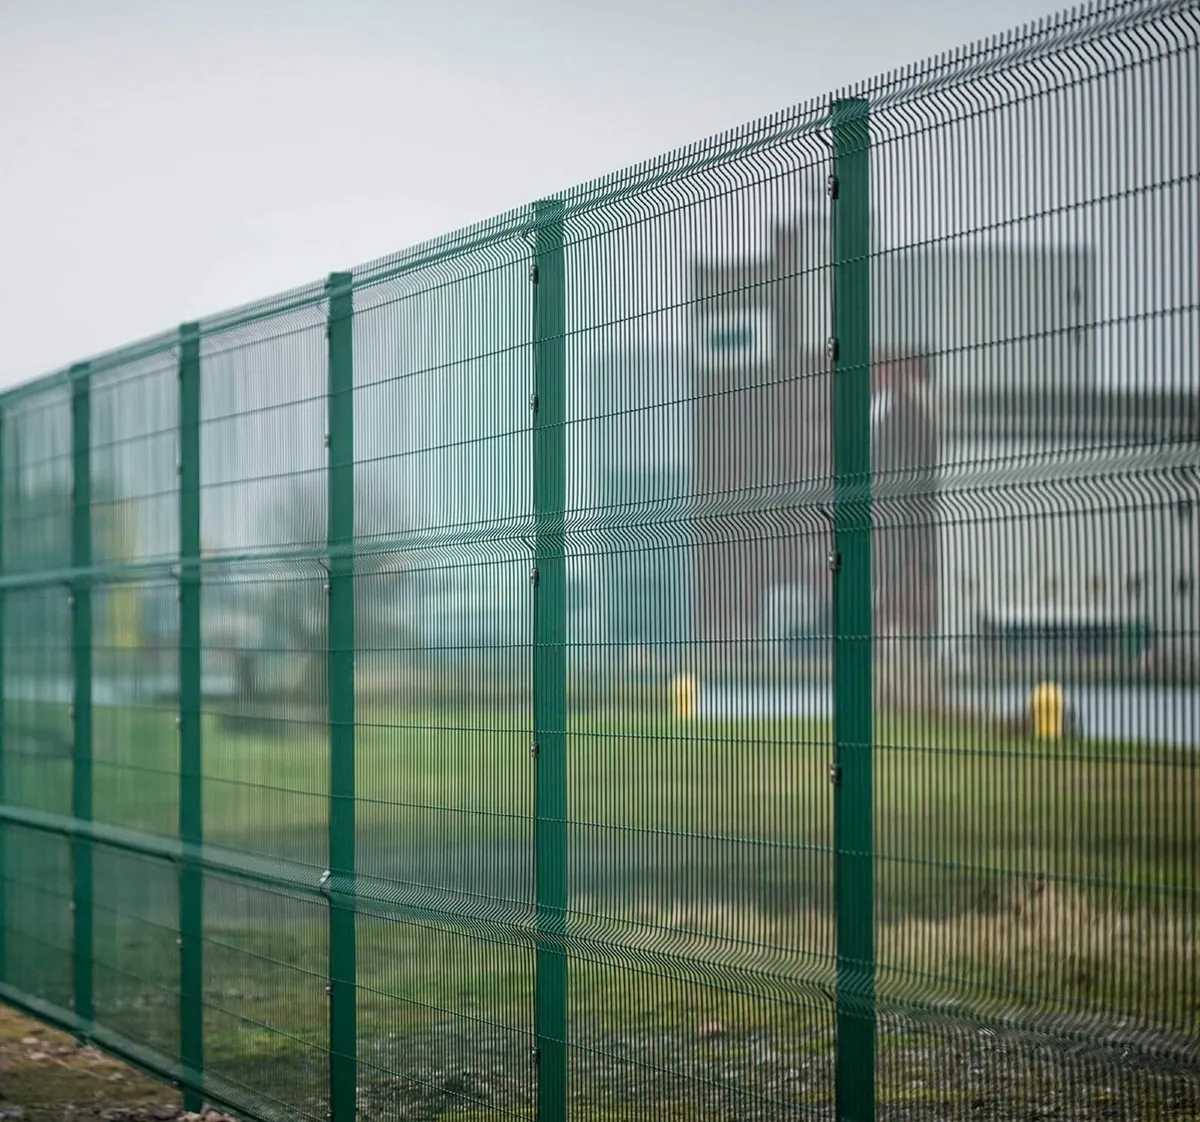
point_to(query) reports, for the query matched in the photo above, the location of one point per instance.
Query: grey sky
(162, 160)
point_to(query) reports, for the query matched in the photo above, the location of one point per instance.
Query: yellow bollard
(1048, 708)
(683, 696)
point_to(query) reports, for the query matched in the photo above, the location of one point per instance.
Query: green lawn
(1012, 877)
(944, 795)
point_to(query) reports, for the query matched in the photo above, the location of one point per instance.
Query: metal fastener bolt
(835, 774)
(179, 941)
(533, 402)
(831, 348)
(327, 440)
(70, 601)
(533, 272)
(178, 721)
(831, 186)
(535, 749)
(329, 989)
(834, 561)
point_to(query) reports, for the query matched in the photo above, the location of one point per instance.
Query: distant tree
(291, 609)
(37, 530)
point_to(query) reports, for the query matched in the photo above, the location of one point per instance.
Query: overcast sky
(162, 160)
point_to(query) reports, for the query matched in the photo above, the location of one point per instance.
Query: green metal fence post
(3, 645)
(343, 1028)
(549, 662)
(853, 614)
(191, 808)
(81, 645)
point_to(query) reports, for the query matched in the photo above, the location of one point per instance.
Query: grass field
(1047, 888)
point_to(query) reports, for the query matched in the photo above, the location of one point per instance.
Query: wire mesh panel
(134, 525)
(38, 944)
(262, 496)
(137, 960)
(135, 776)
(1034, 429)
(266, 1032)
(442, 603)
(264, 725)
(36, 933)
(37, 541)
(699, 929)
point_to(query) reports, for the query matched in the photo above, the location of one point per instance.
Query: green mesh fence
(717, 644)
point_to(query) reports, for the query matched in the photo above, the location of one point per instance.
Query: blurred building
(1007, 510)
(1077, 542)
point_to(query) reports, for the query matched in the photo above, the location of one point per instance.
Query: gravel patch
(46, 1076)
(459, 1069)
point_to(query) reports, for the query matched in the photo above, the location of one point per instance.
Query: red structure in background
(905, 451)
(763, 476)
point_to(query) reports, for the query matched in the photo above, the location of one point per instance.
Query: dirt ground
(47, 1077)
